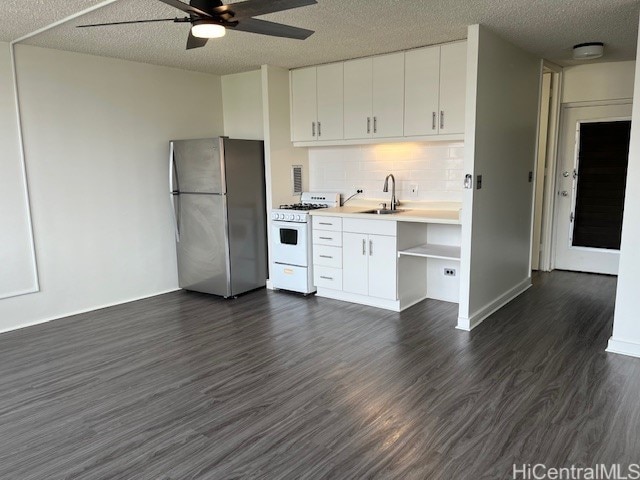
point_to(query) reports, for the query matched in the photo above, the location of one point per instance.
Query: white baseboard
(86, 310)
(623, 347)
(393, 305)
(479, 316)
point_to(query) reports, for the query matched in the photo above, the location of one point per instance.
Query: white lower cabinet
(369, 266)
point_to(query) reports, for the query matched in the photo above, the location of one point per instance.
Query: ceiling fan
(211, 18)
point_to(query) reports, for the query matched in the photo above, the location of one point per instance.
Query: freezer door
(196, 166)
(203, 262)
(246, 203)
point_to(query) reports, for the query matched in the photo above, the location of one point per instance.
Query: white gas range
(292, 257)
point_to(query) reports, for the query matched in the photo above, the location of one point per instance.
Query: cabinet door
(355, 260)
(382, 266)
(303, 104)
(422, 83)
(358, 92)
(388, 95)
(453, 84)
(330, 101)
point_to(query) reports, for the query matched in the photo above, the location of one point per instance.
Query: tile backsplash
(436, 168)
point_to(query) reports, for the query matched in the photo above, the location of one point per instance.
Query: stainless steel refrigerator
(217, 190)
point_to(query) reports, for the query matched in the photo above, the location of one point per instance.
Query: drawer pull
(326, 278)
(324, 223)
(326, 238)
(325, 256)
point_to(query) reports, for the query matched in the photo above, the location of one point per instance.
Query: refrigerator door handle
(174, 193)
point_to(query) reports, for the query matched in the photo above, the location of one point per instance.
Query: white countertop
(420, 215)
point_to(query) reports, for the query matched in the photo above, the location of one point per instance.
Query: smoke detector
(588, 51)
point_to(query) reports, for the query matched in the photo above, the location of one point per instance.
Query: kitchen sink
(384, 211)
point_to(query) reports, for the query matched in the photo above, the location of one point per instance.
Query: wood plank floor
(274, 385)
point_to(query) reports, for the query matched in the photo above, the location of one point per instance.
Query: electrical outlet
(359, 190)
(449, 272)
(413, 190)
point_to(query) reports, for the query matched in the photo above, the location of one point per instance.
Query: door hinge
(571, 217)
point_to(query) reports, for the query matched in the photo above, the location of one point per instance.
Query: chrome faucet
(394, 203)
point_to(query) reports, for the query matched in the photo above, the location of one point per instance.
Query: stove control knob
(291, 216)
(279, 216)
(298, 218)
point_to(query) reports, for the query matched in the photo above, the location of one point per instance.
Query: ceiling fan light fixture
(208, 30)
(588, 51)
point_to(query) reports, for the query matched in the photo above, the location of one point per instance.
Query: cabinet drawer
(327, 277)
(327, 223)
(326, 237)
(375, 227)
(327, 256)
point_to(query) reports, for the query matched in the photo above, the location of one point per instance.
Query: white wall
(17, 259)
(280, 154)
(626, 324)
(503, 84)
(96, 134)
(436, 168)
(598, 81)
(242, 102)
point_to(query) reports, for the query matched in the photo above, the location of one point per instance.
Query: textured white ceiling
(344, 29)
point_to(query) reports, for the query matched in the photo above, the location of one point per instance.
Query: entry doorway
(590, 185)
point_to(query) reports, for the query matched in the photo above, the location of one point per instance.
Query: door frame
(548, 206)
(553, 194)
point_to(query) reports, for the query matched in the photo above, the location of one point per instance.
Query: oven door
(291, 243)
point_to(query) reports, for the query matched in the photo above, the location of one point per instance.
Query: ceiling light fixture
(204, 29)
(588, 51)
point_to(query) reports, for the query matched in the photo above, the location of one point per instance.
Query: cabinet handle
(375, 124)
(324, 223)
(326, 238)
(433, 121)
(319, 129)
(313, 129)
(325, 256)
(326, 278)
(370, 247)
(441, 118)
(368, 124)
(364, 246)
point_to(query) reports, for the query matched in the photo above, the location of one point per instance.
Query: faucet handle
(383, 205)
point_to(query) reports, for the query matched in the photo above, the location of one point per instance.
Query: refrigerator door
(203, 263)
(197, 166)
(246, 204)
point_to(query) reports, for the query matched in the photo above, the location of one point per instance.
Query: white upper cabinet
(388, 95)
(422, 84)
(358, 94)
(330, 88)
(415, 94)
(453, 85)
(304, 110)
(435, 85)
(317, 103)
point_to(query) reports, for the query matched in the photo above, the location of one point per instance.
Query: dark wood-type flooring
(273, 385)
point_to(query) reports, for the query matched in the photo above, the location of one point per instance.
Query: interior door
(594, 150)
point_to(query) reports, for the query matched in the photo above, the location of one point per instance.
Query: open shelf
(445, 252)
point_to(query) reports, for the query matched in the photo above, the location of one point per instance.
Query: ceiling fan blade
(205, 5)
(195, 42)
(254, 8)
(191, 10)
(131, 21)
(263, 27)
